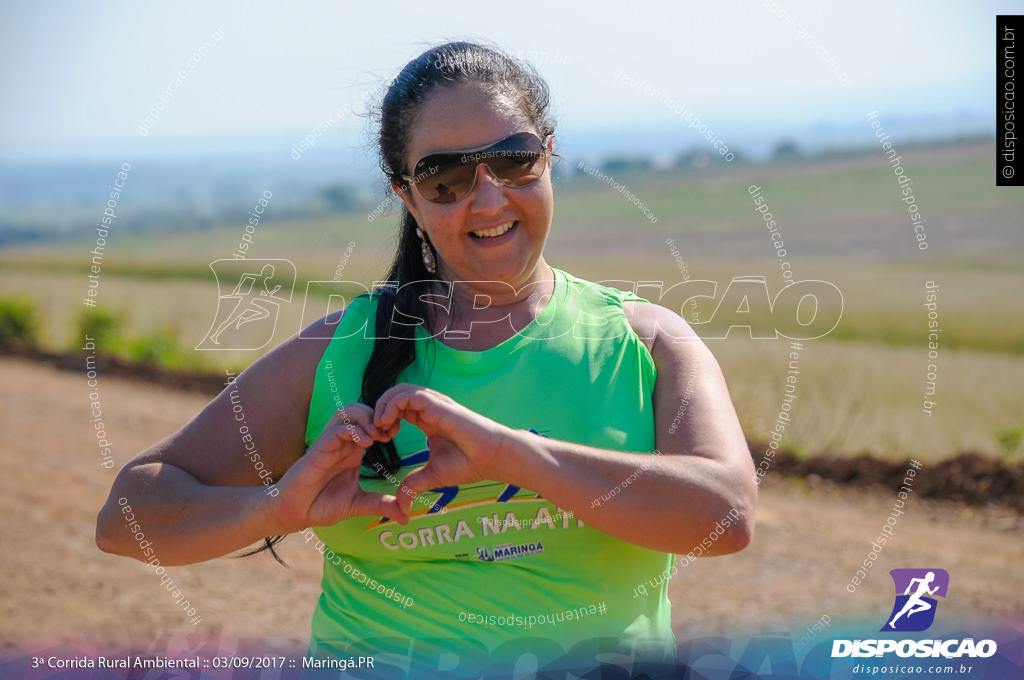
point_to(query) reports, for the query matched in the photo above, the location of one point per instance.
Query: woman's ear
(404, 192)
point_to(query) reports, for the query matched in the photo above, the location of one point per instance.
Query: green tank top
(489, 572)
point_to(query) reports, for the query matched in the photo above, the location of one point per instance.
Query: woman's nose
(488, 191)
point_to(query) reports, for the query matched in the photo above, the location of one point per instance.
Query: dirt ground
(57, 587)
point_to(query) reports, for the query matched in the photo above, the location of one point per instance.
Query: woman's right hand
(322, 487)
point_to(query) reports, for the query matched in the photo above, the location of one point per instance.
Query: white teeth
(497, 231)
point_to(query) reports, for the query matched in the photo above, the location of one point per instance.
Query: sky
(79, 79)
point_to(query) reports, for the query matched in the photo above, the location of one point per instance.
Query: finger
(340, 439)
(392, 431)
(404, 500)
(385, 414)
(379, 505)
(328, 460)
(353, 416)
(348, 432)
(362, 415)
(387, 410)
(407, 407)
(415, 483)
(359, 436)
(343, 413)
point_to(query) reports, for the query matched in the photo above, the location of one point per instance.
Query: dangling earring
(428, 255)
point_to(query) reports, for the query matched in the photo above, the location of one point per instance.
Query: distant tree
(620, 164)
(16, 233)
(694, 158)
(786, 150)
(340, 197)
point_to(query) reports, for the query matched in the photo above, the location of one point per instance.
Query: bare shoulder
(665, 333)
(287, 372)
(302, 350)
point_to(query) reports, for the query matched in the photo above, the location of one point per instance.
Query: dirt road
(56, 586)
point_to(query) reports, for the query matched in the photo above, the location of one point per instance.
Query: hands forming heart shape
(322, 488)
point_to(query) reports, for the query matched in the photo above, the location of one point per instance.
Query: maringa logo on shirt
(509, 551)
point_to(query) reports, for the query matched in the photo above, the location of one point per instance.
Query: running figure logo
(247, 316)
(914, 610)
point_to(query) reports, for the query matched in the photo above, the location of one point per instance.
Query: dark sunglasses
(516, 161)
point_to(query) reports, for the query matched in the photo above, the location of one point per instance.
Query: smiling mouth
(495, 232)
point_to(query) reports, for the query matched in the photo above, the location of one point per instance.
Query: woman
(490, 451)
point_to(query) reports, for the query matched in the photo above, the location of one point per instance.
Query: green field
(861, 386)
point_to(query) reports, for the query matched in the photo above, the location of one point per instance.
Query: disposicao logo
(912, 612)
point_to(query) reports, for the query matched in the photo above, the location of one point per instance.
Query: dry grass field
(855, 396)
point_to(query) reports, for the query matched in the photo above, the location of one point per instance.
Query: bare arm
(704, 471)
(197, 494)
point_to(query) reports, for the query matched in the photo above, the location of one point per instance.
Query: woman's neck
(478, 316)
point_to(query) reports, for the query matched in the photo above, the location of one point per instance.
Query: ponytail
(394, 350)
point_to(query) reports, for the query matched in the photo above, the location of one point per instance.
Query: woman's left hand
(464, 445)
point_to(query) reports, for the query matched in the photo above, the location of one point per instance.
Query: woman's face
(462, 117)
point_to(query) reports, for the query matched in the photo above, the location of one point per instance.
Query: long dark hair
(446, 65)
